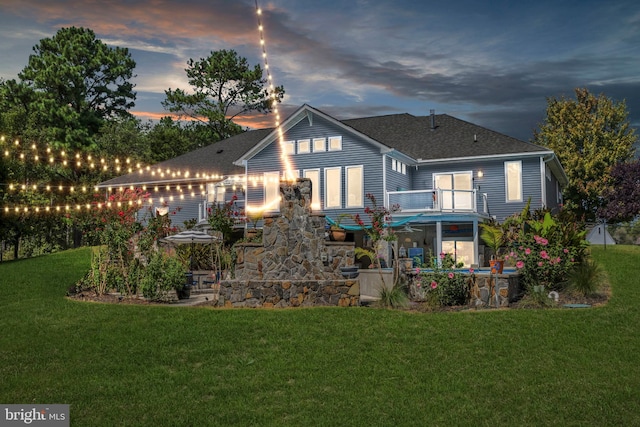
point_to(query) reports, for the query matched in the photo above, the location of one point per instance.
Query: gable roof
(214, 159)
(438, 137)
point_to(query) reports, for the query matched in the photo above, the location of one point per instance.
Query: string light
(289, 174)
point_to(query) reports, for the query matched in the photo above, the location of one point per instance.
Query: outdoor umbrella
(192, 237)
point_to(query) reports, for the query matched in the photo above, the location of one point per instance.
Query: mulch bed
(564, 298)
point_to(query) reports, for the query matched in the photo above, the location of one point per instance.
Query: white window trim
(335, 138)
(361, 184)
(324, 145)
(271, 205)
(316, 194)
(331, 188)
(506, 181)
(289, 147)
(304, 141)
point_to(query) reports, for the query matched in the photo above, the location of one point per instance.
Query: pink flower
(558, 260)
(418, 285)
(540, 264)
(442, 254)
(527, 251)
(519, 264)
(471, 271)
(541, 240)
(450, 275)
(417, 270)
(565, 250)
(544, 255)
(434, 284)
(512, 254)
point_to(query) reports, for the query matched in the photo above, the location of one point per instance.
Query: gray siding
(180, 209)
(552, 195)
(492, 183)
(355, 152)
(397, 181)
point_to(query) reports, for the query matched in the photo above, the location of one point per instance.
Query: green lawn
(158, 366)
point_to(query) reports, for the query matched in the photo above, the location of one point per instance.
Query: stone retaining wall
(288, 293)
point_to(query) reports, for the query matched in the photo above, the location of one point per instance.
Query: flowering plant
(224, 216)
(546, 251)
(377, 230)
(441, 285)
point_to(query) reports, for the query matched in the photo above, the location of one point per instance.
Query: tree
(622, 196)
(224, 86)
(589, 135)
(73, 83)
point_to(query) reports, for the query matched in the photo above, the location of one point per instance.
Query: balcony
(438, 200)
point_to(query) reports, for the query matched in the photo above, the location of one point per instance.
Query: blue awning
(399, 223)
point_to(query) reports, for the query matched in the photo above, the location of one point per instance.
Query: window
(314, 176)
(355, 186)
(513, 180)
(319, 145)
(333, 188)
(456, 190)
(289, 147)
(335, 143)
(211, 192)
(398, 166)
(304, 146)
(272, 191)
(220, 194)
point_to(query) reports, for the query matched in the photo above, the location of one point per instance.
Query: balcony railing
(437, 200)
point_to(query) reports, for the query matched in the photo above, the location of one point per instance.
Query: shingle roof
(411, 135)
(450, 138)
(214, 159)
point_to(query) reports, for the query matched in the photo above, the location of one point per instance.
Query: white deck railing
(437, 200)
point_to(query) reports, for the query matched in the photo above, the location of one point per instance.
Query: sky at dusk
(493, 63)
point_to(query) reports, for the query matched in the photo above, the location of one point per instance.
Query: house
(446, 174)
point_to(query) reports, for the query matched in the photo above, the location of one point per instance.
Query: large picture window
(513, 180)
(272, 191)
(314, 176)
(355, 186)
(333, 188)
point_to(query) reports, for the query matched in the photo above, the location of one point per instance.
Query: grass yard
(159, 366)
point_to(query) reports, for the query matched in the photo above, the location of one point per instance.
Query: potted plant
(494, 237)
(253, 216)
(336, 232)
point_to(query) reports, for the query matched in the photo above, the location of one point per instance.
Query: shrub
(394, 297)
(162, 275)
(586, 278)
(443, 286)
(544, 250)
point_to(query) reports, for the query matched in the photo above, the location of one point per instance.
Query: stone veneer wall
(294, 265)
(483, 292)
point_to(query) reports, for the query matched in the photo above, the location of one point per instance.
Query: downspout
(543, 183)
(384, 181)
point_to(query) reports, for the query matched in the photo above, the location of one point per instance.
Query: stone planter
(371, 283)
